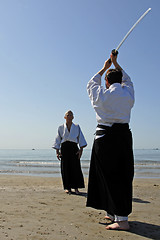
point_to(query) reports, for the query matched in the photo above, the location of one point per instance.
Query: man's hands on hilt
(113, 58)
(114, 61)
(107, 65)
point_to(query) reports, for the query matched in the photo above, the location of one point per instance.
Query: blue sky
(50, 49)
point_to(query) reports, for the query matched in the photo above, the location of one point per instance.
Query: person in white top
(112, 163)
(68, 137)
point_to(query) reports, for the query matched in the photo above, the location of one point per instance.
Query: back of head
(114, 76)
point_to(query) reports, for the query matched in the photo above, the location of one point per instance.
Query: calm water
(44, 163)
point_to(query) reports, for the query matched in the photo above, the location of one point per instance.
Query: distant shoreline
(59, 176)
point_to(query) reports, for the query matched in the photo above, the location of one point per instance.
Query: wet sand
(36, 208)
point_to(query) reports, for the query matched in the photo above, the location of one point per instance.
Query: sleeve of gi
(94, 88)
(127, 84)
(58, 139)
(81, 139)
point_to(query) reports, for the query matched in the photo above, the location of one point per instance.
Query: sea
(43, 162)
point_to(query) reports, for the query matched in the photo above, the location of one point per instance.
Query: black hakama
(72, 176)
(111, 171)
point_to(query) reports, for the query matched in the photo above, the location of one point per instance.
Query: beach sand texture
(35, 208)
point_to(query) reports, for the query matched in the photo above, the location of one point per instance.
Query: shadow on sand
(138, 200)
(81, 194)
(150, 231)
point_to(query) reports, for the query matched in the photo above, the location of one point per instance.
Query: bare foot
(68, 191)
(123, 225)
(108, 218)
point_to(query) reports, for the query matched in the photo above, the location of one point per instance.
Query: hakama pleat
(72, 175)
(111, 172)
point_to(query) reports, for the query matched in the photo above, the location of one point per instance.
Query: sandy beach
(35, 208)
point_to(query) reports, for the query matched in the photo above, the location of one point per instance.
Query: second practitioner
(68, 137)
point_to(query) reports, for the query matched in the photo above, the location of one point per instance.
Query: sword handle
(115, 53)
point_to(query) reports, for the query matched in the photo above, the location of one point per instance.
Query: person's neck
(69, 124)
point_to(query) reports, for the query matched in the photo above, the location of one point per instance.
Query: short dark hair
(114, 76)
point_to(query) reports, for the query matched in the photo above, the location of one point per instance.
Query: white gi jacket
(112, 105)
(75, 135)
